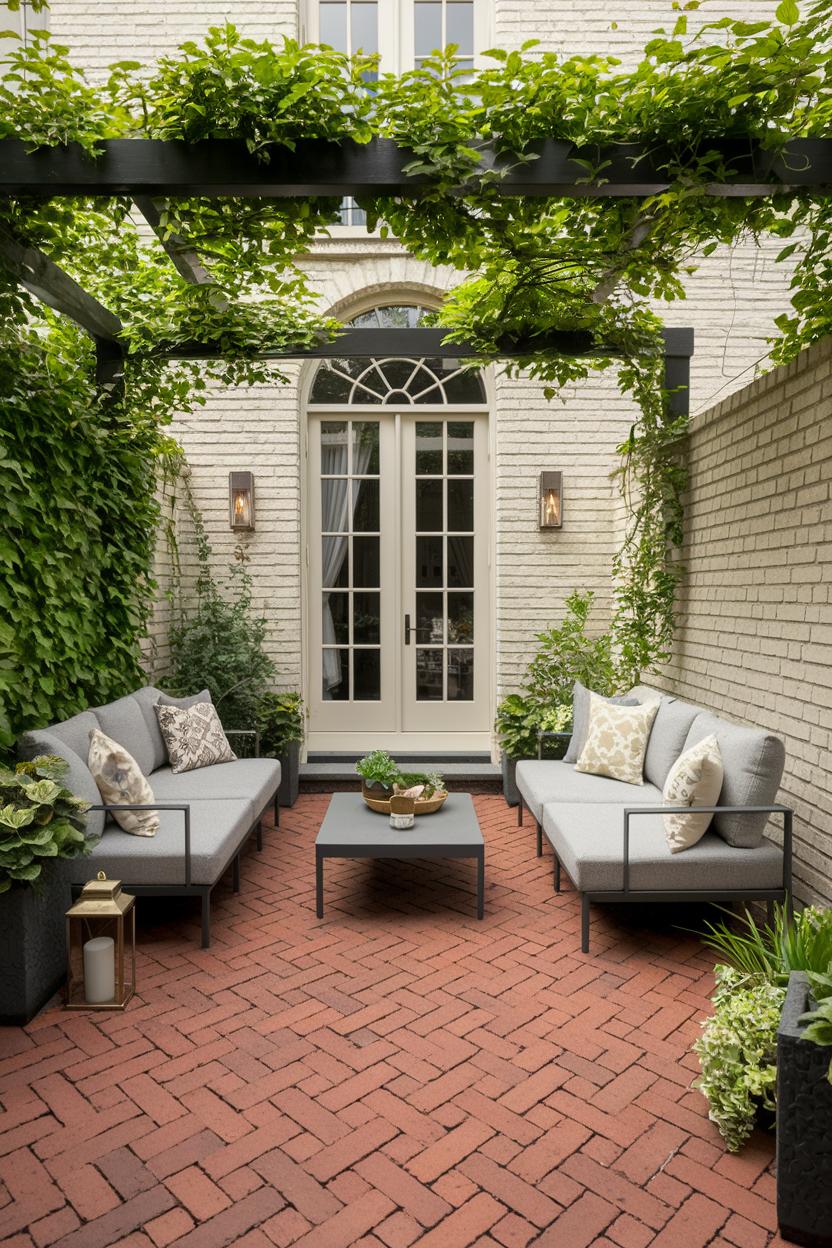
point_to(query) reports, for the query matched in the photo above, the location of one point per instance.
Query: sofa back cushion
(752, 761)
(671, 726)
(75, 732)
(580, 717)
(124, 722)
(147, 697)
(78, 778)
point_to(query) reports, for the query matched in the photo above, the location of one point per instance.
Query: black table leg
(319, 885)
(481, 884)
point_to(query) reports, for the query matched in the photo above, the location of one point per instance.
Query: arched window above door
(400, 380)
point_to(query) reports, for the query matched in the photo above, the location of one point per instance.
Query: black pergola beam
(183, 256)
(217, 167)
(49, 283)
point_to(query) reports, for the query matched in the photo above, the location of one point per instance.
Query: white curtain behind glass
(335, 513)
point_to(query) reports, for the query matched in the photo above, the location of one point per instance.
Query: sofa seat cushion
(545, 781)
(589, 841)
(752, 762)
(124, 722)
(256, 779)
(217, 830)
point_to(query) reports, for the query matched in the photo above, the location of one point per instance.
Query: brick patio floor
(398, 1073)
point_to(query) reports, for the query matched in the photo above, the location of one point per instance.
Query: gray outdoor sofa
(206, 815)
(608, 836)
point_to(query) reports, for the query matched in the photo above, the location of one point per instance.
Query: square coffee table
(351, 830)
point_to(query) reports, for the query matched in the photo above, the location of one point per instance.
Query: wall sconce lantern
(101, 947)
(550, 500)
(241, 500)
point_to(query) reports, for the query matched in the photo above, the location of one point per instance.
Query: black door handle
(407, 630)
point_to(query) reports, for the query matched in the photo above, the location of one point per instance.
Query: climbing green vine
(527, 266)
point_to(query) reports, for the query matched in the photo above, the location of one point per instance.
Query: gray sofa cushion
(124, 721)
(217, 830)
(166, 699)
(667, 738)
(147, 697)
(254, 778)
(546, 781)
(580, 718)
(75, 732)
(79, 777)
(589, 842)
(753, 762)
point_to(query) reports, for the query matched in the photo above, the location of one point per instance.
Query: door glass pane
(335, 565)
(461, 562)
(429, 562)
(365, 562)
(461, 505)
(428, 446)
(429, 675)
(459, 27)
(333, 24)
(365, 27)
(336, 675)
(334, 512)
(366, 619)
(398, 373)
(461, 618)
(460, 675)
(365, 505)
(460, 447)
(427, 17)
(337, 605)
(429, 618)
(429, 505)
(366, 675)
(365, 435)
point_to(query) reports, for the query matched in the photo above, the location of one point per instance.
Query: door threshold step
(482, 776)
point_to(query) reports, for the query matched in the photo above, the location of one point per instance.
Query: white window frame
(396, 41)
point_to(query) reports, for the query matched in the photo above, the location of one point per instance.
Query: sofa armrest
(246, 732)
(186, 812)
(541, 737)
(776, 809)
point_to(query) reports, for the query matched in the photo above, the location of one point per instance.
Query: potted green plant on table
(280, 723)
(382, 779)
(378, 773)
(42, 824)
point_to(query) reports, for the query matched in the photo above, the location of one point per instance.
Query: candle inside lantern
(99, 970)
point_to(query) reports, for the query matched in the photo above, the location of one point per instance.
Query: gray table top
(349, 823)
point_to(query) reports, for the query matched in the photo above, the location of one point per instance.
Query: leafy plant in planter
(566, 653)
(279, 722)
(39, 819)
(737, 1052)
(519, 720)
(819, 1019)
(377, 768)
(800, 943)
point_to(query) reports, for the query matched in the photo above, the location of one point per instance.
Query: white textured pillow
(617, 740)
(193, 736)
(695, 779)
(120, 780)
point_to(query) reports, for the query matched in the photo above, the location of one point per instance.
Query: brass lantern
(550, 500)
(241, 501)
(101, 947)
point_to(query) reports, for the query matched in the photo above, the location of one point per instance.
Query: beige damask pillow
(193, 736)
(695, 779)
(120, 780)
(617, 740)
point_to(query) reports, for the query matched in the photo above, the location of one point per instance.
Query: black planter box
(804, 1127)
(33, 943)
(289, 757)
(510, 790)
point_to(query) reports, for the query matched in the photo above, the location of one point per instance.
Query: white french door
(398, 590)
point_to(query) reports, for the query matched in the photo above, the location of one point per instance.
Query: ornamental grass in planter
(42, 824)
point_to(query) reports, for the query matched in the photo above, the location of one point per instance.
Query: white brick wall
(755, 636)
(731, 303)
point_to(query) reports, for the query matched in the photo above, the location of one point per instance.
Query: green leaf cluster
(39, 819)
(378, 768)
(280, 720)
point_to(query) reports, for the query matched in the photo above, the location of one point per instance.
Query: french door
(398, 602)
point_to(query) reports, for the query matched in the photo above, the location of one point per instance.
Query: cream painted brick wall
(731, 303)
(755, 636)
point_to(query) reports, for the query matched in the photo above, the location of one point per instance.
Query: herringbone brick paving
(395, 1074)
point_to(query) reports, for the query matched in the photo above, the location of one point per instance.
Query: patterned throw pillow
(695, 779)
(193, 736)
(617, 740)
(120, 780)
